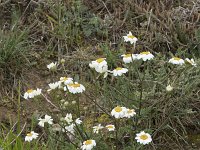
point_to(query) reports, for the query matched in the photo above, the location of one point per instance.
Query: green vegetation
(73, 33)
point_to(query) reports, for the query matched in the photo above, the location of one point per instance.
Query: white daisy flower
(29, 94)
(52, 66)
(54, 85)
(119, 71)
(100, 65)
(176, 61)
(130, 113)
(118, 112)
(68, 118)
(143, 138)
(75, 88)
(78, 121)
(127, 58)
(70, 128)
(47, 119)
(145, 56)
(66, 80)
(110, 127)
(97, 128)
(30, 136)
(191, 61)
(38, 92)
(88, 145)
(130, 38)
(32, 93)
(169, 88)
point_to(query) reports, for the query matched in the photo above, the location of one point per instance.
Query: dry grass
(81, 30)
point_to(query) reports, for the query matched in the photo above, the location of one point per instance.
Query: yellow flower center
(118, 109)
(29, 134)
(129, 111)
(131, 36)
(75, 85)
(88, 142)
(110, 127)
(100, 60)
(145, 53)
(144, 137)
(64, 79)
(127, 55)
(30, 91)
(118, 68)
(176, 58)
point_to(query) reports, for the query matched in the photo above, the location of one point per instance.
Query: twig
(107, 9)
(6, 2)
(149, 20)
(45, 97)
(97, 104)
(10, 130)
(18, 134)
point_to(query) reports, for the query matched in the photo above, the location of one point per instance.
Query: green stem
(29, 145)
(78, 106)
(97, 104)
(57, 139)
(18, 109)
(79, 131)
(116, 133)
(140, 99)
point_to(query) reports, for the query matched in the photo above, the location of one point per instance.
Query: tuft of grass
(14, 56)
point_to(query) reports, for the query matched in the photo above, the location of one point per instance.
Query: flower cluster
(67, 83)
(54, 85)
(179, 61)
(142, 138)
(64, 83)
(70, 123)
(122, 112)
(47, 119)
(128, 58)
(100, 65)
(109, 127)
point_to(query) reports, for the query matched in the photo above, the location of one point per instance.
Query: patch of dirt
(7, 115)
(32, 108)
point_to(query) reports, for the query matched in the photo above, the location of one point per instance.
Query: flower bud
(169, 88)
